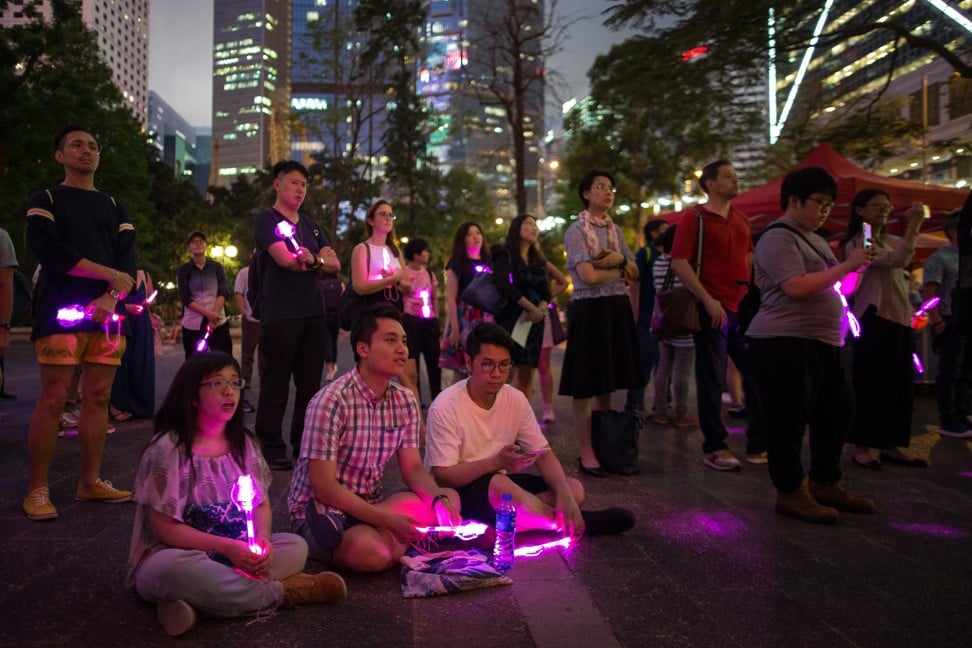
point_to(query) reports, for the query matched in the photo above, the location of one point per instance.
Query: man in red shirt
(727, 255)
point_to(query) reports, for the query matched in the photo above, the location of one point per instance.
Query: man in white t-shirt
(482, 435)
(250, 327)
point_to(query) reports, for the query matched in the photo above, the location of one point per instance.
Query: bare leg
(533, 512)
(96, 382)
(523, 380)
(546, 378)
(42, 431)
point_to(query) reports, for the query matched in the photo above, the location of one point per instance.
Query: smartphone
(867, 235)
(926, 211)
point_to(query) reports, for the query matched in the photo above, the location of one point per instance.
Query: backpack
(330, 289)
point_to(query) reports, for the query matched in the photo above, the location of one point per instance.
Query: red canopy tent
(762, 204)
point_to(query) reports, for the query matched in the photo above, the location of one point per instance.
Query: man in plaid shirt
(352, 429)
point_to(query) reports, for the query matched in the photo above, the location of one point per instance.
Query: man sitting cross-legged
(482, 433)
(353, 428)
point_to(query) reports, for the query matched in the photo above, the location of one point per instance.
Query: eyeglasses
(822, 205)
(385, 215)
(488, 366)
(880, 206)
(219, 384)
(600, 186)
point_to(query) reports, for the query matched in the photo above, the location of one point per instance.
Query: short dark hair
(651, 225)
(668, 239)
(803, 182)
(950, 221)
(281, 168)
(487, 333)
(70, 128)
(366, 323)
(855, 222)
(415, 246)
(710, 172)
(587, 182)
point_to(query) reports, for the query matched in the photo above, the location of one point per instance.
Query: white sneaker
(177, 617)
(548, 414)
(721, 460)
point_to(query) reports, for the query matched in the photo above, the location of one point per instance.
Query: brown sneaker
(37, 505)
(833, 494)
(801, 505)
(102, 491)
(686, 421)
(325, 587)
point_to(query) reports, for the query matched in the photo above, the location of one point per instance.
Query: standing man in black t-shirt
(85, 243)
(203, 291)
(294, 338)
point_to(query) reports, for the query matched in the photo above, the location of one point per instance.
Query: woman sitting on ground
(189, 547)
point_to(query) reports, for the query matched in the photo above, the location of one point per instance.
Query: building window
(959, 97)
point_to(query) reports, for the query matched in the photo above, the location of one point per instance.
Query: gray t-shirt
(780, 255)
(8, 257)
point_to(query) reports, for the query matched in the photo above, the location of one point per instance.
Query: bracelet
(436, 499)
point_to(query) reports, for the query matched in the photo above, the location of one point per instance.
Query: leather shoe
(282, 463)
(609, 521)
(873, 464)
(597, 471)
(914, 462)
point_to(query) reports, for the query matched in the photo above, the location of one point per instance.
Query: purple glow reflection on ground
(736, 430)
(718, 523)
(965, 473)
(939, 530)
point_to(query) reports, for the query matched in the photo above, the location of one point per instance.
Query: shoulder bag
(677, 309)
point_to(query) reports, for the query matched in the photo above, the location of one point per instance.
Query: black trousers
(219, 339)
(423, 339)
(884, 383)
(801, 382)
(291, 349)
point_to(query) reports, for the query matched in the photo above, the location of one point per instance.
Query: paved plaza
(707, 564)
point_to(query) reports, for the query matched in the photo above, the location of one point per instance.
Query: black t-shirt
(65, 225)
(286, 294)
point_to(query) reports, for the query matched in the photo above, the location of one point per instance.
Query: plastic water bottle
(505, 531)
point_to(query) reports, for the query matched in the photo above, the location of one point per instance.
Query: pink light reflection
(938, 530)
(714, 523)
(535, 550)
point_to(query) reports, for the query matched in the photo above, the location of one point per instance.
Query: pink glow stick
(245, 496)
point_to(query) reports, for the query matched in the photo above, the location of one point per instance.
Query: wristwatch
(623, 264)
(114, 293)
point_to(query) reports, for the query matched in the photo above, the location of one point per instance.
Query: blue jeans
(712, 348)
(648, 352)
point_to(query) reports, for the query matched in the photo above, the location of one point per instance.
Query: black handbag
(614, 437)
(482, 294)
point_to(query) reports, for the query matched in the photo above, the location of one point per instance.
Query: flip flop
(119, 416)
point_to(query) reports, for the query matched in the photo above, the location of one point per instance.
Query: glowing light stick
(855, 326)
(465, 531)
(71, 316)
(245, 495)
(536, 550)
(920, 319)
(426, 303)
(203, 343)
(140, 308)
(285, 229)
(385, 259)
(920, 368)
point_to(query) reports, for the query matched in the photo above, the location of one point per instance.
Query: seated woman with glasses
(602, 342)
(883, 372)
(191, 549)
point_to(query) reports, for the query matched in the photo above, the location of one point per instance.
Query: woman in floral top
(189, 547)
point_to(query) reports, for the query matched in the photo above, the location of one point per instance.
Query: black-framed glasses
(822, 205)
(220, 384)
(488, 366)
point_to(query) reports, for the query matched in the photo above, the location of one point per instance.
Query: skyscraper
(123, 32)
(251, 85)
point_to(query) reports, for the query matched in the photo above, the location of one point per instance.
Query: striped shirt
(348, 423)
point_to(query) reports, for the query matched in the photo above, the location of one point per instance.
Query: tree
(51, 74)
(514, 39)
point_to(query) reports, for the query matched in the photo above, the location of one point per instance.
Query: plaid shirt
(346, 422)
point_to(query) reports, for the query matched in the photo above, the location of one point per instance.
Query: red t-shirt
(727, 248)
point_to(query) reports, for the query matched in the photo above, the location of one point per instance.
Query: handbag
(351, 303)
(614, 437)
(677, 309)
(557, 332)
(482, 294)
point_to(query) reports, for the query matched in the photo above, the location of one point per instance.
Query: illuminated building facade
(826, 83)
(251, 85)
(123, 33)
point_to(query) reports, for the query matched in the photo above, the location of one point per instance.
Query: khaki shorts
(69, 349)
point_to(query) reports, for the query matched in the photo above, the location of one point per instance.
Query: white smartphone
(867, 235)
(926, 212)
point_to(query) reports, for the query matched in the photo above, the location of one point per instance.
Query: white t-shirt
(459, 430)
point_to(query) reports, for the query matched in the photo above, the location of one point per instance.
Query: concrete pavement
(707, 564)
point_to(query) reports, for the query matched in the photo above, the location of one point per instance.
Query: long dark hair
(370, 229)
(514, 241)
(179, 411)
(459, 254)
(855, 224)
